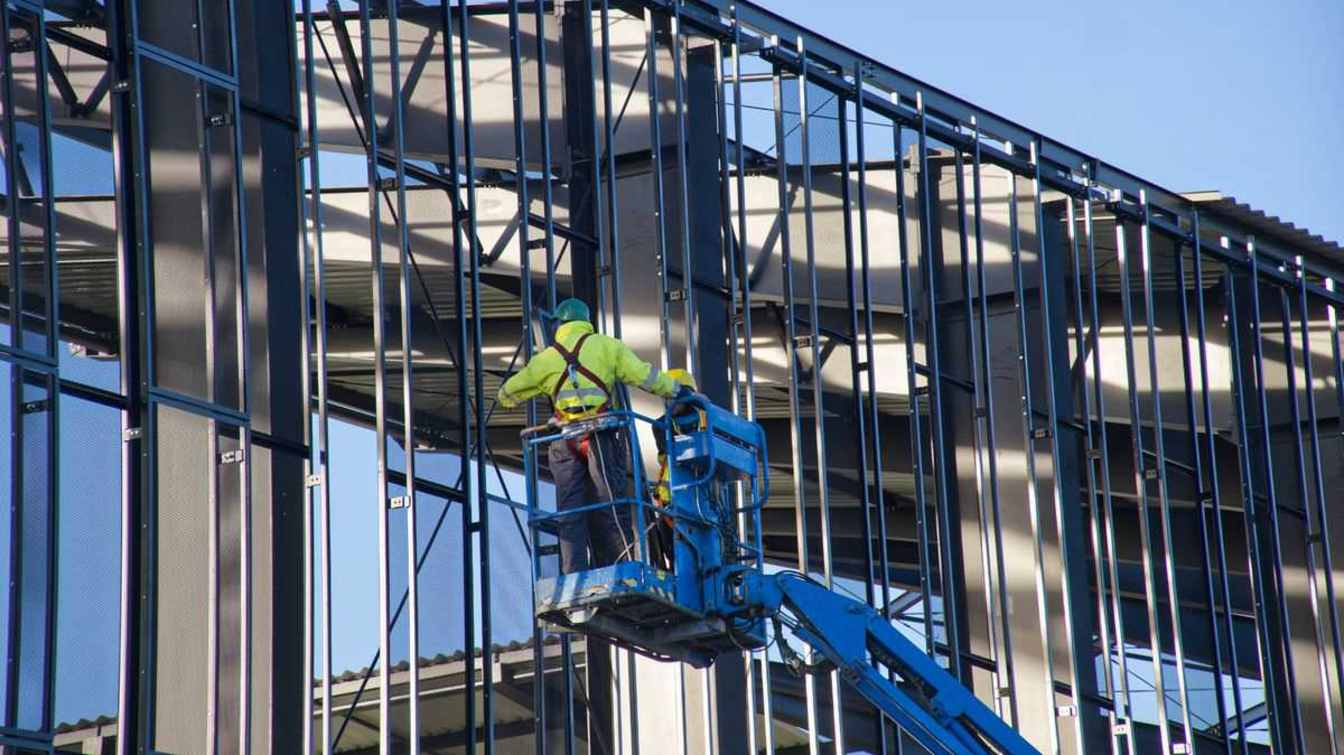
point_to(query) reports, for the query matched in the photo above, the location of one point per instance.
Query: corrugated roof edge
(1285, 232)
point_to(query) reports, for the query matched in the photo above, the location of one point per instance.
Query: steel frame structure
(1130, 492)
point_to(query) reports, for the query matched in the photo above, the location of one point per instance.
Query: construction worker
(684, 418)
(579, 372)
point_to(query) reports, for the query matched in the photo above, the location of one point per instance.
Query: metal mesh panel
(176, 207)
(223, 246)
(262, 571)
(229, 570)
(186, 593)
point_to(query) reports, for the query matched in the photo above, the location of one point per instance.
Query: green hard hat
(571, 310)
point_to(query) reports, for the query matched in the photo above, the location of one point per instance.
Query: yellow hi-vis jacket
(582, 384)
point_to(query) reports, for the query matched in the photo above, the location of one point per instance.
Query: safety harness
(572, 369)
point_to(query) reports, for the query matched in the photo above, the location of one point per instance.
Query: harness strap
(571, 358)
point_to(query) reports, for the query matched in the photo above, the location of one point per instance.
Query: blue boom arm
(931, 705)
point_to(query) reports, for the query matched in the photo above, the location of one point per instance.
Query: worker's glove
(684, 393)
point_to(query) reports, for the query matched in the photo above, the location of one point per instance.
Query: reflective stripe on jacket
(576, 395)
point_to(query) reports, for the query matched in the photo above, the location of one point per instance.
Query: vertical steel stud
(1201, 482)
(791, 356)
(1215, 493)
(1028, 438)
(1254, 563)
(1159, 448)
(1005, 694)
(1140, 462)
(1272, 499)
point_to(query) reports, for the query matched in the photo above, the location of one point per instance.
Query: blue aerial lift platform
(718, 598)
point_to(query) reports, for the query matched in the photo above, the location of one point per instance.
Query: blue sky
(1241, 96)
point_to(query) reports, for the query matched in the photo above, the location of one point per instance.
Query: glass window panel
(34, 549)
(34, 194)
(89, 553)
(85, 220)
(85, 229)
(28, 108)
(26, 277)
(354, 529)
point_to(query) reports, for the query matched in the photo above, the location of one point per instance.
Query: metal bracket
(219, 120)
(232, 457)
(1040, 433)
(121, 87)
(1094, 453)
(1150, 473)
(33, 407)
(132, 433)
(313, 480)
(1120, 729)
(802, 342)
(676, 294)
(537, 243)
(399, 502)
(1066, 711)
(1179, 748)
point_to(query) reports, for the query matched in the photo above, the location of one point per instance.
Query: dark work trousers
(585, 474)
